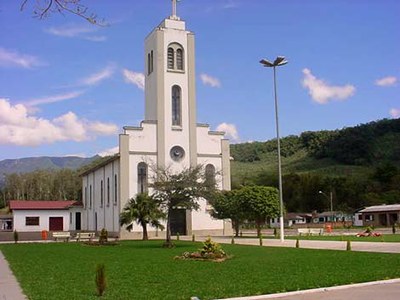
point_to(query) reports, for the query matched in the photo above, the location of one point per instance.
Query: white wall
(44, 215)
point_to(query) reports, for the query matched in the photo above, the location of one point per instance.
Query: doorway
(78, 225)
(178, 221)
(56, 223)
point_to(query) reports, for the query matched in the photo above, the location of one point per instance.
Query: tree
(259, 203)
(144, 210)
(43, 8)
(227, 206)
(180, 190)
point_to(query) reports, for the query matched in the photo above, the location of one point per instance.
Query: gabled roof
(41, 205)
(380, 208)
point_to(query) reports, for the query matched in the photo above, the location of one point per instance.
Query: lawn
(144, 270)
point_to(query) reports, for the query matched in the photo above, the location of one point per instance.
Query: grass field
(144, 270)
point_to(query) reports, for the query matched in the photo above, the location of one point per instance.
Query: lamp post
(279, 61)
(329, 198)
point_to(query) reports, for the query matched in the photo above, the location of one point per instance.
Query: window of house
(115, 189)
(90, 196)
(85, 197)
(70, 218)
(210, 175)
(175, 57)
(148, 64)
(101, 193)
(151, 62)
(360, 217)
(31, 221)
(108, 191)
(179, 59)
(171, 58)
(176, 106)
(142, 178)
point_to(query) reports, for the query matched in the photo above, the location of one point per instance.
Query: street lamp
(279, 61)
(329, 198)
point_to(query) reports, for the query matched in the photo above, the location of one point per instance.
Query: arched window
(108, 191)
(210, 175)
(176, 106)
(148, 64)
(90, 196)
(171, 58)
(179, 59)
(151, 62)
(115, 189)
(101, 193)
(175, 57)
(142, 178)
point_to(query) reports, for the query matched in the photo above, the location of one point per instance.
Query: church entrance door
(178, 221)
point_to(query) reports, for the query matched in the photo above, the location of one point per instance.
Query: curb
(311, 291)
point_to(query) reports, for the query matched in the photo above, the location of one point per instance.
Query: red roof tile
(19, 204)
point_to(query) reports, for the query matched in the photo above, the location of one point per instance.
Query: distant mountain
(29, 164)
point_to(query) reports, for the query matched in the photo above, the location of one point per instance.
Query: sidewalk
(9, 286)
(380, 247)
(382, 290)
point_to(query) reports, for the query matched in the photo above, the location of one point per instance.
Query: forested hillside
(359, 165)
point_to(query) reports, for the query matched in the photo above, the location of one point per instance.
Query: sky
(67, 87)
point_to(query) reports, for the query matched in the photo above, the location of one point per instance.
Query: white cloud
(209, 80)
(110, 151)
(9, 58)
(321, 92)
(76, 31)
(134, 78)
(98, 77)
(230, 4)
(230, 131)
(395, 112)
(53, 98)
(18, 127)
(386, 81)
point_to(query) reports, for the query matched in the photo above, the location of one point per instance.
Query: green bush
(394, 229)
(297, 243)
(212, 250)
(103, 236)
(177, 236)
(100, 279)
(193, 238)
(233, 241)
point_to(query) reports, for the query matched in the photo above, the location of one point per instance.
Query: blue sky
(67, 87)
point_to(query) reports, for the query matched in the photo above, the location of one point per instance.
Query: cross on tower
(174, 4)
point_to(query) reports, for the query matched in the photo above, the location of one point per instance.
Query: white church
(168, 137)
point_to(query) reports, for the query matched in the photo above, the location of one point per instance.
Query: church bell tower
(170, 92)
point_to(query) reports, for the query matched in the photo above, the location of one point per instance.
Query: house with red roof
(35, 216)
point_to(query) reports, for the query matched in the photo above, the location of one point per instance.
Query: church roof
(100, 165)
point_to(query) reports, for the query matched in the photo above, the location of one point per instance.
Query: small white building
(168, 138)
(35, 216)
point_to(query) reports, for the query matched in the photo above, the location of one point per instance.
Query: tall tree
(144, 210)
(180, 190)
(259, 203)
(227, 206)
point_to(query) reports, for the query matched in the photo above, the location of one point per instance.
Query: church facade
(168, 137)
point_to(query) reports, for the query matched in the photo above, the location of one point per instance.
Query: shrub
(177, 236)
(394, 228)
(193, 238)
(100, 279)
(233, 241)
(103, 236)
(297, 243)
(15, 236)
(275, 232)
(212, 250)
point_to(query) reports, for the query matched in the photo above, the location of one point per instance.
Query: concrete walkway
(313, 244)
(9, 286)
(382, 290)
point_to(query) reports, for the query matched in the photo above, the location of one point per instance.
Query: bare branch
(43, 8)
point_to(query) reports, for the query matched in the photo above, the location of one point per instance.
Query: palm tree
(143, 210)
